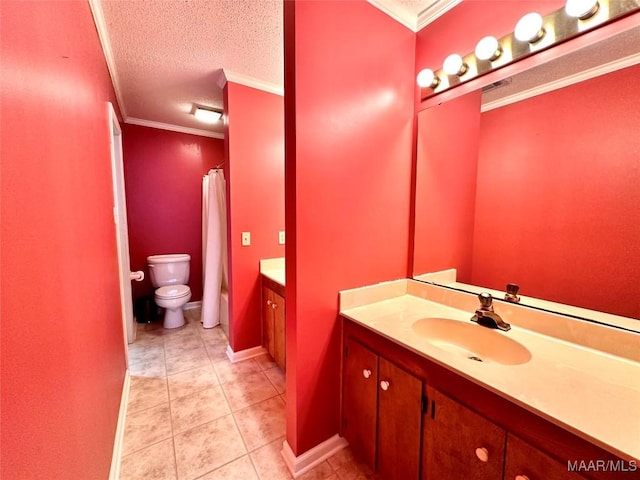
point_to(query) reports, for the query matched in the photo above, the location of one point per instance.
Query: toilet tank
(170, 269)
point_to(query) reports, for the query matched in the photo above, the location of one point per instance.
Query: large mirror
(544, 191)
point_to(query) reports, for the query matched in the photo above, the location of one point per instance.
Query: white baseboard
(244, 354)
(114, 473)
(192, 305)
(300, 465)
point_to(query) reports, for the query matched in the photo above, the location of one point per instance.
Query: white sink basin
(472, 341)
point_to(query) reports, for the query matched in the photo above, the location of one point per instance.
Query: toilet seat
(172, 292)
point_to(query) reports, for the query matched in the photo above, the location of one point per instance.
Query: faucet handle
(513, 288)
(512, 293)
(486, 301)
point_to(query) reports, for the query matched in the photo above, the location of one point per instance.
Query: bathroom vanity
(428, 394)
(273, 308)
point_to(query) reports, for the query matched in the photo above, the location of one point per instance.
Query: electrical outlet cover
(246, 239)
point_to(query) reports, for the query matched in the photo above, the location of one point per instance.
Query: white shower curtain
(214, 250)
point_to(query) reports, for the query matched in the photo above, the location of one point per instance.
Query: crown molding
(221, 79)
(105, 42)
(563, 82)
(424, 18)
(229, 76)
(406, 20)
(433, 12)
(173, 128)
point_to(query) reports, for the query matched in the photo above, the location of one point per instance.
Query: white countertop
(274, 269)
(593, 394)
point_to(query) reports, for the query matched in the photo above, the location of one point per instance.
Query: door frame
(122, 233)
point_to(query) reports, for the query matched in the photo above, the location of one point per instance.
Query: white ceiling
(165, 56)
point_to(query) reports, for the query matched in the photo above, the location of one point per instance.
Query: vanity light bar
(533, 33)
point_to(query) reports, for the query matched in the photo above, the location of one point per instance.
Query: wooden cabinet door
(359, 400)
(268, 327)
(459, 443)
(525, 462)
(399, 423)
(279, 344)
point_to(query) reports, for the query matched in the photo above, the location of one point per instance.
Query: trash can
(146, 310)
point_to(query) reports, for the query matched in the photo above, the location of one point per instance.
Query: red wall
(63, 360)
(445, 197)
(531, 153)
(349, 120)
(255, 201)
(163, 181)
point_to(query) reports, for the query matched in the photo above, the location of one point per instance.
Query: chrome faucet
(486, 316)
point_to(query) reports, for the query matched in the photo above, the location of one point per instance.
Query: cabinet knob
(269, 302)
(522, 477)
(274, 305)
(366, 373)
(482, 454)
(385, 385)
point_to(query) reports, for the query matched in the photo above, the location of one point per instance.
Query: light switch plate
(246, 239)
(281, 238)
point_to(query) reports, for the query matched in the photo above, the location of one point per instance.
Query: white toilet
(170, 274)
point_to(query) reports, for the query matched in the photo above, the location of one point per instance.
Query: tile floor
(192, 414)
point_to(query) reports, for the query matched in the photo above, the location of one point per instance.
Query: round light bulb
(488, 49)
(427, 79)
(454, 65)
(581, 9)
(529, 28)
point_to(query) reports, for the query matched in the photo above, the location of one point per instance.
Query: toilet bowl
(173, 298)
(170, 273)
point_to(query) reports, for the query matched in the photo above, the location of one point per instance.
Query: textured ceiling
(167, 55)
